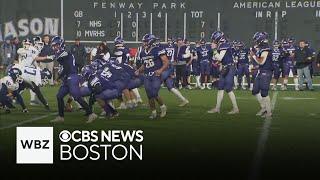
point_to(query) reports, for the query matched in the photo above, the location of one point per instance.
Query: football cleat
(163, 111)
(234, 111)
(47, 107)
(185, 102)
(34, 103)
(261, 112)
(92, 117)
(7, 110)
(122, 106)
(213, 110)
(267, 115)
(153, 115)
(57, 119)
(103, 113)
(139, 100)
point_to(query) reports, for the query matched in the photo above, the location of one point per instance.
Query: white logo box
(34, 145)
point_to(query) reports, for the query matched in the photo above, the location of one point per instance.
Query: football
(68, 107)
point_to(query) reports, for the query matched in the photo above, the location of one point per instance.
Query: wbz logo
(34, 145)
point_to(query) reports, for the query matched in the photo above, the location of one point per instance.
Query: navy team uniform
(166, 78)
(152, 62)
(122, 54)
(70, 83)
(135, 81)
(118, 76)
(255, 65)
(243, 65)
(277, 59)
(228, 68)
(204, 55)
(101, 88)
(138, 60)
(170, 50)
(288, 63)
(262, 81)
(108, 90)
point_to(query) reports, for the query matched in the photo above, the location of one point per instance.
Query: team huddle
(112, 75)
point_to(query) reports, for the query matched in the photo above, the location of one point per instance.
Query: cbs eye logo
(65, 136)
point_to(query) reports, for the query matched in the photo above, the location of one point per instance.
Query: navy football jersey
(67, 62)
(227, 58)
(268, 63)
(170, 50)
(243, 56)
(129, 69)
(122, 54)
(152, 60)
(289, 49)
(100, 78)
(277, 55)
(204, 53)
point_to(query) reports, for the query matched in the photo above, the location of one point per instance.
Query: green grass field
(189, 138)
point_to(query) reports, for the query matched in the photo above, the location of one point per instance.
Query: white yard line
(256, 168)
(27, 121)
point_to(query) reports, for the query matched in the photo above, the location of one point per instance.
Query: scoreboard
(97, 20)
(103, 20)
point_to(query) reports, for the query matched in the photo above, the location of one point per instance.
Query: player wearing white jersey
(27, 58)
(10, 85)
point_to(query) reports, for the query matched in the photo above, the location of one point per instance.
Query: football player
(155, 62)
(204, 55)
(170, 51)
(288, 64)
(10, 85)
(100, 88)
(235, 49)
(30, 70)
(121, 52)
(70, 78)
(277, 59)
(223, 53)
(243, 65)
(261, 84)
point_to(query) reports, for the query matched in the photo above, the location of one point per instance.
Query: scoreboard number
(202, 34)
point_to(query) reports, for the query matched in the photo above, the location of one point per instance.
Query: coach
(47, 51)
(79, 53)
(182, 54)
(303, 57)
